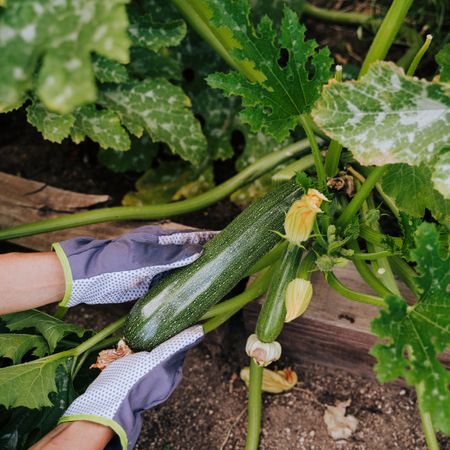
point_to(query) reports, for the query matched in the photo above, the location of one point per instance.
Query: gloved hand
(122, 269)
(131, 385)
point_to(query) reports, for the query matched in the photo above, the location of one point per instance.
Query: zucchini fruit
(182, 297)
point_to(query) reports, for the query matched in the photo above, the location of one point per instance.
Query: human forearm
(29, 280)
(76, 435)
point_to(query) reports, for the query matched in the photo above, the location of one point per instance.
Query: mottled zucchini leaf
(52, 329)
(412, 189)
(163, 110)
(57, 38)
(172, 181)
(109, 71)
(145, 32)
(138, 159)
(443, 59)
(414, 336)
(16, 346)
(387, 117)
(22, 427)
(274, 91)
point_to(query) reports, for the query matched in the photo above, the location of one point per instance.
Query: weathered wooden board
(25, 201)
(334, 331)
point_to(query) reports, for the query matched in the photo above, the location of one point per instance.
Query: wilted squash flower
(297, 299)
(262, 352)
(274, 381)
(300, 218)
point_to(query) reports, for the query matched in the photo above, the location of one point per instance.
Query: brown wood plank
(25, 201)
(334, 331)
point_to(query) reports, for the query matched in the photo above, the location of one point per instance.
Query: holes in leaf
(267, 110)
(188, 74)
(283, 58)
(310, 69)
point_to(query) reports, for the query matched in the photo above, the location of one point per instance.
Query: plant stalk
(269, 258)
(320, 170)
(427, 423)
(339, 17)
(254, 406)
(386, 33)
(419, 55)
(256, 289)
(166, 210)
(346, 292)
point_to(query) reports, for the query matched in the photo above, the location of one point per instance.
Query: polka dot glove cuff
(120, 270)
(131, 385)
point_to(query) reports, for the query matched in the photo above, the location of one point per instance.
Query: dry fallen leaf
(106, 357)
(339, 425)
(274, 381)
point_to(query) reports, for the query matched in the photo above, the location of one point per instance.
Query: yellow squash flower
(298, 296)
(274, 381)
(263, 353)
(300, 218)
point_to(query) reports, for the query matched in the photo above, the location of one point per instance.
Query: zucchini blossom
(263, 353)
(298, 296)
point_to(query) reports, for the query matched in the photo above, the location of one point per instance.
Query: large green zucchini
(187, 293)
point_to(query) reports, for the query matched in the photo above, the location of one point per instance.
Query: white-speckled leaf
(441, 174)
(387, 117)
(109, 71)
(145, 32)
(412, 190)
(163, 110)
(102, 126)
(57, 37)
(53, 126)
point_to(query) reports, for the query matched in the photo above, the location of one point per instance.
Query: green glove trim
(102, 421)
(67, 272)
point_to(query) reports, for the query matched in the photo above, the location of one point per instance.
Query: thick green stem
(386, 33)
(419, 55)
(405, 272)
(340, 17)
(254, 406)
(162, 211)
(375, 237)
(335, 148)
(255, 290)
(306, 266)
(346, 292)
(269, 258)
(366, 188)
(292, 169)
(367, 275)
(370, 256)
(320, 170)
(427, 423)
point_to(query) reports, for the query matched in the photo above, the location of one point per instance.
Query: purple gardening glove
(131, 385)
(122, 269)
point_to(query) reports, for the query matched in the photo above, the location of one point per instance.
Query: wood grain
(25, 201)
(334, 331)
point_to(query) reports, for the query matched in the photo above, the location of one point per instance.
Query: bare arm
(76, 435)
(29, 280)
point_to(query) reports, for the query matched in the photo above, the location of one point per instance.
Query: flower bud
(262, 352)
(300, 218)
(273, 381)
(297, 299)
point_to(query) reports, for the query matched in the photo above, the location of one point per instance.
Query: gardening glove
(132, 384)
(120, 270)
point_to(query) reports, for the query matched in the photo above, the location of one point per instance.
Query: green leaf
(147, 33)
(15, 346)
(441, 174)
(171, 181)
(387, 117)
(138, 159)
(29, 384)
(109, 71)
(443, 59)
(412, 190)
(51, 328)
(163, 110)
(22, 427)
(102, 126)
(57, 39)
(145, 63)
(274, 96)
(53, 126)
(417, 334)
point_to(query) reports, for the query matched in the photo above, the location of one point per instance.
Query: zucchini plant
(359, 166)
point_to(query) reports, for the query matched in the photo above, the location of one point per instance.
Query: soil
(207, 411)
